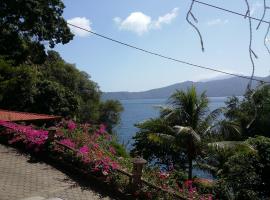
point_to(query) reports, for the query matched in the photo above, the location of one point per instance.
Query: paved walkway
(21, 179)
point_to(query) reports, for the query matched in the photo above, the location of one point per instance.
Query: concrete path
(23, 180)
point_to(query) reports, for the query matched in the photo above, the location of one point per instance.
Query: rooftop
(7, 115)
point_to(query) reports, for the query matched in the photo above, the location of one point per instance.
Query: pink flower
(26, 134)
(102, 129)
(85, 127)
(84, 150)
(163, 175)
(68, 142)
(96, 146)
(188, 183)
(71, 125)
(115, 165)
(112, 150)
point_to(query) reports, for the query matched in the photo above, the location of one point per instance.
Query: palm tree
(186, 108)
(186, 117)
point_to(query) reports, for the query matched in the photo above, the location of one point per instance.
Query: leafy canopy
(26, 25)
(55, 87)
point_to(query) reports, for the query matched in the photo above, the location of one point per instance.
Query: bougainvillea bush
(28, 135)
(92, 149)
(93, 145)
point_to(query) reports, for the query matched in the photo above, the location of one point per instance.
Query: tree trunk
(190, 168)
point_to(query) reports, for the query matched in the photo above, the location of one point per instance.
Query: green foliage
(151, 150)
(246, 174)
(186, 108)
(34, 80)
(255, 108)
(120, 149)
(204, 186)
(26, 24)
(176, 135)
(55, 87)
(17, 86)
(243, 118)
(53, 98)
(110, 113)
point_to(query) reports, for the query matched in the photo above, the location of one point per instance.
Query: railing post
(138, 164)
(51, 134)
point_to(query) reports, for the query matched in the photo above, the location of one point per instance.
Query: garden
(92, 150)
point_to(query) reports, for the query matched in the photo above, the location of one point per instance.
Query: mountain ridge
(214, 88)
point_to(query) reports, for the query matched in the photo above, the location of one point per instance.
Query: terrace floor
(22, 179)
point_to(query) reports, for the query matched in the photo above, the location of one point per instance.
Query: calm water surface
(138, 110)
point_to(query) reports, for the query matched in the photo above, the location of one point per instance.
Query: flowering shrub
(71, 125)
(26, 134)
(172, 180)
(84, 150)
(68, 142)
(94, 149)
(93, 145)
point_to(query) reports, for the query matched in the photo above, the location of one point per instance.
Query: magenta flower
(84, 150)
(68, 142)
(114, 165)
(96, 146)
(71, 125)
(112, 150)
(102, 129)
(188, 183)
(27, 134)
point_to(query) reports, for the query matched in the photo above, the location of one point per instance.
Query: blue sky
(160, 26)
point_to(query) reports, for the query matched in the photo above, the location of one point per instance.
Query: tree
(53, 98)
(179, 129)
(26, 24)
(246, 173)
(110, 113)
(55, 87)
(243, 118)
(187, 141)
(78, 83)
(17, 86)
(252, 113)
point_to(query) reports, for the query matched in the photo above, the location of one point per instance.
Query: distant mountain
(215, 88)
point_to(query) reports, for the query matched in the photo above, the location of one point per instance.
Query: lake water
(138, 110)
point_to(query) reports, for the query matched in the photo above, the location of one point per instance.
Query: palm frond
(214, 114)
(229, 128)
(207, 167)
(161, 138)
(231, 145)
(187, 131)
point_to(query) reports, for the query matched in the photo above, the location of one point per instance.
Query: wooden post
(138, 164)
(51, 134)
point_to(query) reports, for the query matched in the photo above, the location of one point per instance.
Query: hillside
(215, 88)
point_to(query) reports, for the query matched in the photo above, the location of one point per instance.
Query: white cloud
(217, 21)
(166, 19)
(136, 22)
(141, 23)
(81, 22)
